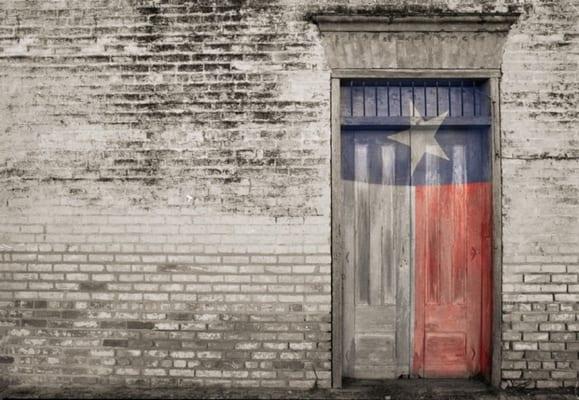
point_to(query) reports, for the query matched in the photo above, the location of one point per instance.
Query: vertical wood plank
(469, 102)
(376, 220)
(444, 241)
(407, 108)
(370, 101)
(395, 105)
(443, 99)
(345, 102)
(391, 212)
(431, 101)
(420, 286)
(382, 97)
(459, 256)
(493, 88)
(487, 273)
(349, 253)
(477, 202)
(407, 274)
(432, 275)
(362, 221)
(420, 100)
(401, 286)
(357, 101)
(455, 102)
(337, 232)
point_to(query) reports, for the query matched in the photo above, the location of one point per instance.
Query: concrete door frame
(492, 77)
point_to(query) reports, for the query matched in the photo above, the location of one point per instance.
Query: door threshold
(419, 386)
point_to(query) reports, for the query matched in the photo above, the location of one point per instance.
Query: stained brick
(115, 342)
(92, 286)
(37, 323)
(140, 325)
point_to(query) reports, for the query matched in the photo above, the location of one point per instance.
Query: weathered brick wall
(165, 210)
(165, 194)
(541, 198)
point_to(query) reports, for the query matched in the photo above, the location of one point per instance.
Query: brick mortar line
(208, 330)
(138, 262)
(115, 348)
(169, 254)
(197, 302)
(160, 291)
(144, 263)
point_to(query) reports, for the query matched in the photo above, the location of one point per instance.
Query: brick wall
(165, 195)
(541, 192)
(165, 210)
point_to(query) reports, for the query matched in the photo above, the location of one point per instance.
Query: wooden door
(377, 252)
(453, 258)
(416, 229)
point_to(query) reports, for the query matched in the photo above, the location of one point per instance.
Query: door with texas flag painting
(417, 228)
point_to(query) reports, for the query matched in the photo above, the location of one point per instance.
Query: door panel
(377, 244)
(453, 261)
(416, 223)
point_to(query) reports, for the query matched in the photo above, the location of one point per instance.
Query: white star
(423, 141)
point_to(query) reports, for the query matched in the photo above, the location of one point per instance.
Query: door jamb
(337, 236)
(493, 77)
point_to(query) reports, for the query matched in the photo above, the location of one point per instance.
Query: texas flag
(434, 179)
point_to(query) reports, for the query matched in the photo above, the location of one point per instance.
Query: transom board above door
(403, 102)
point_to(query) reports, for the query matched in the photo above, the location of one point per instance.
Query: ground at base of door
(389, 390)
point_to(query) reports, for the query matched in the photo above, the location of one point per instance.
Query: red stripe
(453, 267)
